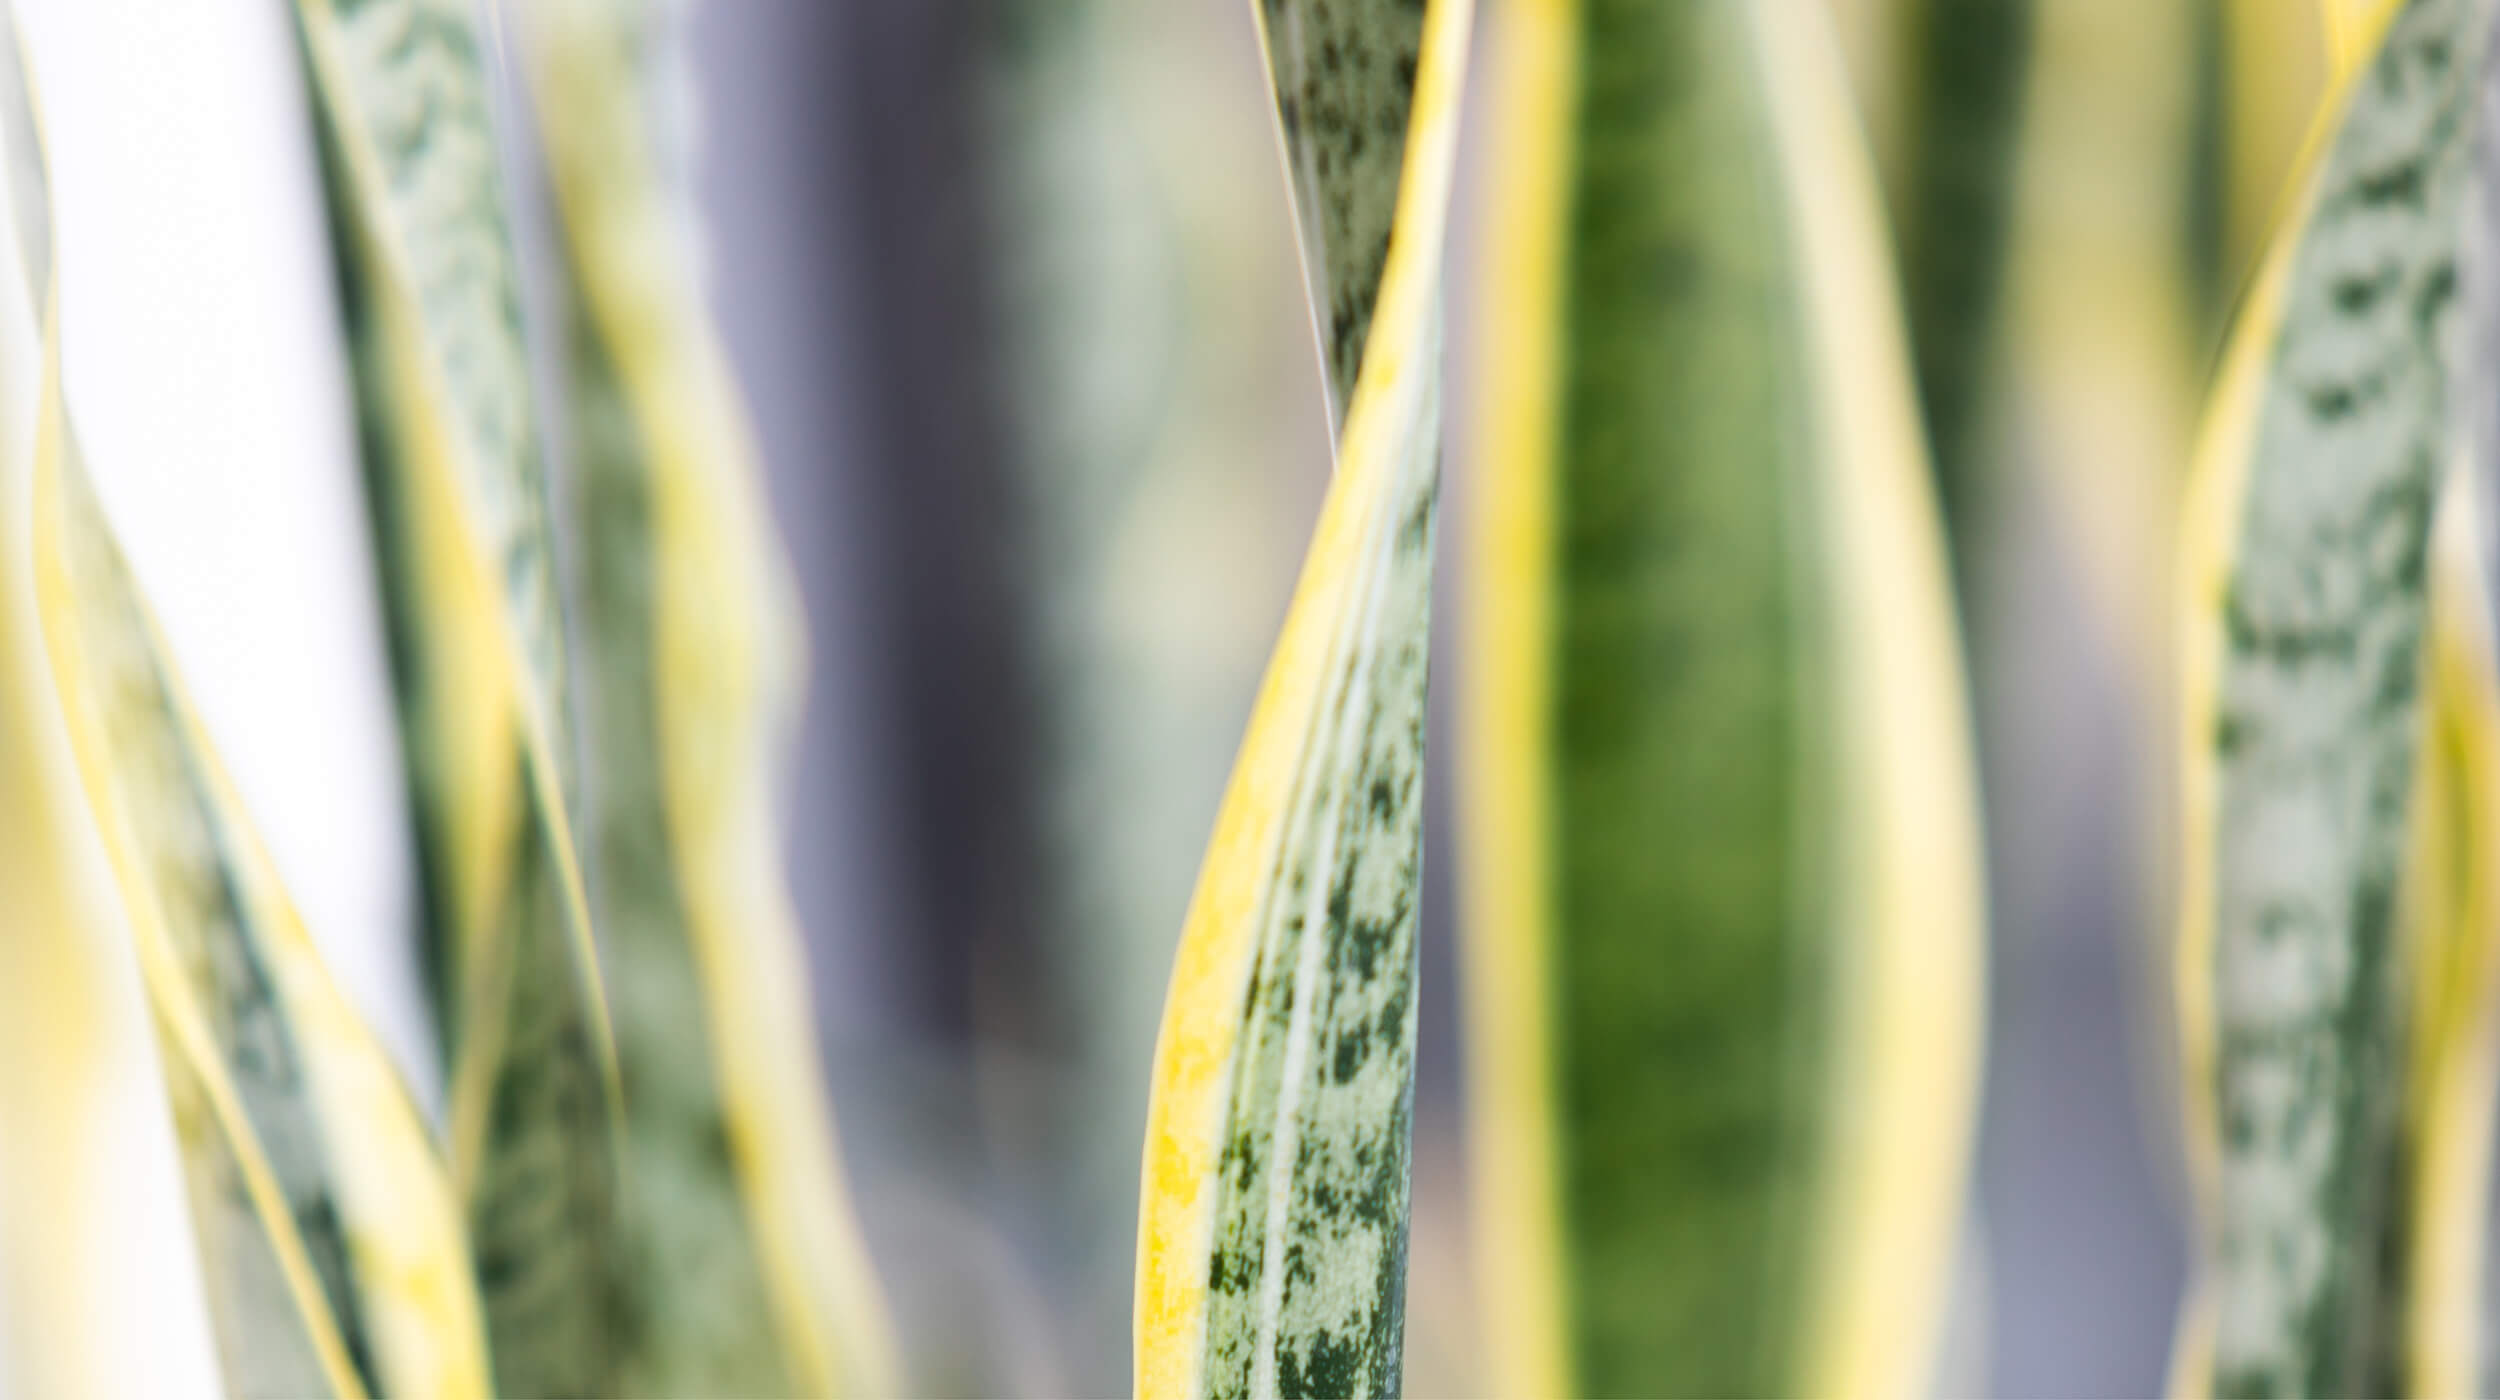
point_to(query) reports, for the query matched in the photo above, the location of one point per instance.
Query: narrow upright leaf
(1968, 72)
(1272, 1235)
(745, 1272)
(2334, 799)
(1724, 930)
(459, 498)
(332, 1248)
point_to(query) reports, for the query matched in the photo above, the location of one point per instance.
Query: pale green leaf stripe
(332, 1253)
(1724, 922)
(2308, 610)
(460, 504)
(746, 1272)
(1272, 1251)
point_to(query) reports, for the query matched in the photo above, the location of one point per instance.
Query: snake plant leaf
(746, 1271)
(1272, 1233)
(1969, 65)
(329, 1237)
(1724, 930)
(1345, 78)
(328, 1228)
(459, 498)
(2315, 737)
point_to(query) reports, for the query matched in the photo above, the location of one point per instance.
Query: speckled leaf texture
(744, 1271)
(459, 499)
(1344, 73)
(2330, 737)
(1724, 928)
(1272, 1231)
(331, 1248)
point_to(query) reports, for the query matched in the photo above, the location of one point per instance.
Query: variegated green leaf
(460, 506)
(1724, 931)
(745, 1273)
(1272, 1251)
(1345, 76)
(331, 1246)
(2314, 956)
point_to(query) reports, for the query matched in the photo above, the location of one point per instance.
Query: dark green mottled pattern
(2320, 714)
(543, 1211)
(1345, 76)
(418, 89)
(188, 859)
(543, 1207)
(1307, 1278)
(1691, 991)
(1309, 1300)
(699, 1320)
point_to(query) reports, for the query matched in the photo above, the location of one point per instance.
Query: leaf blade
(1319, 830)
(1724, 932)
(2328, 431)
(460, 502)
(691, 633)
(335, 1260)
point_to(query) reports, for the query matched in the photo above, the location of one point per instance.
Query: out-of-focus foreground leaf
(1272, 1248)
(1967, 67)
(459, 498)
(331, 1246)
(1724, 933)
(2333, 959)
(744, 1271)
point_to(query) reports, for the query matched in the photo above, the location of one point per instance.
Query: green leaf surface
(1273, 1251)
(2309, 622)
(743, 1271)
(1724, 923)
(459, 498)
